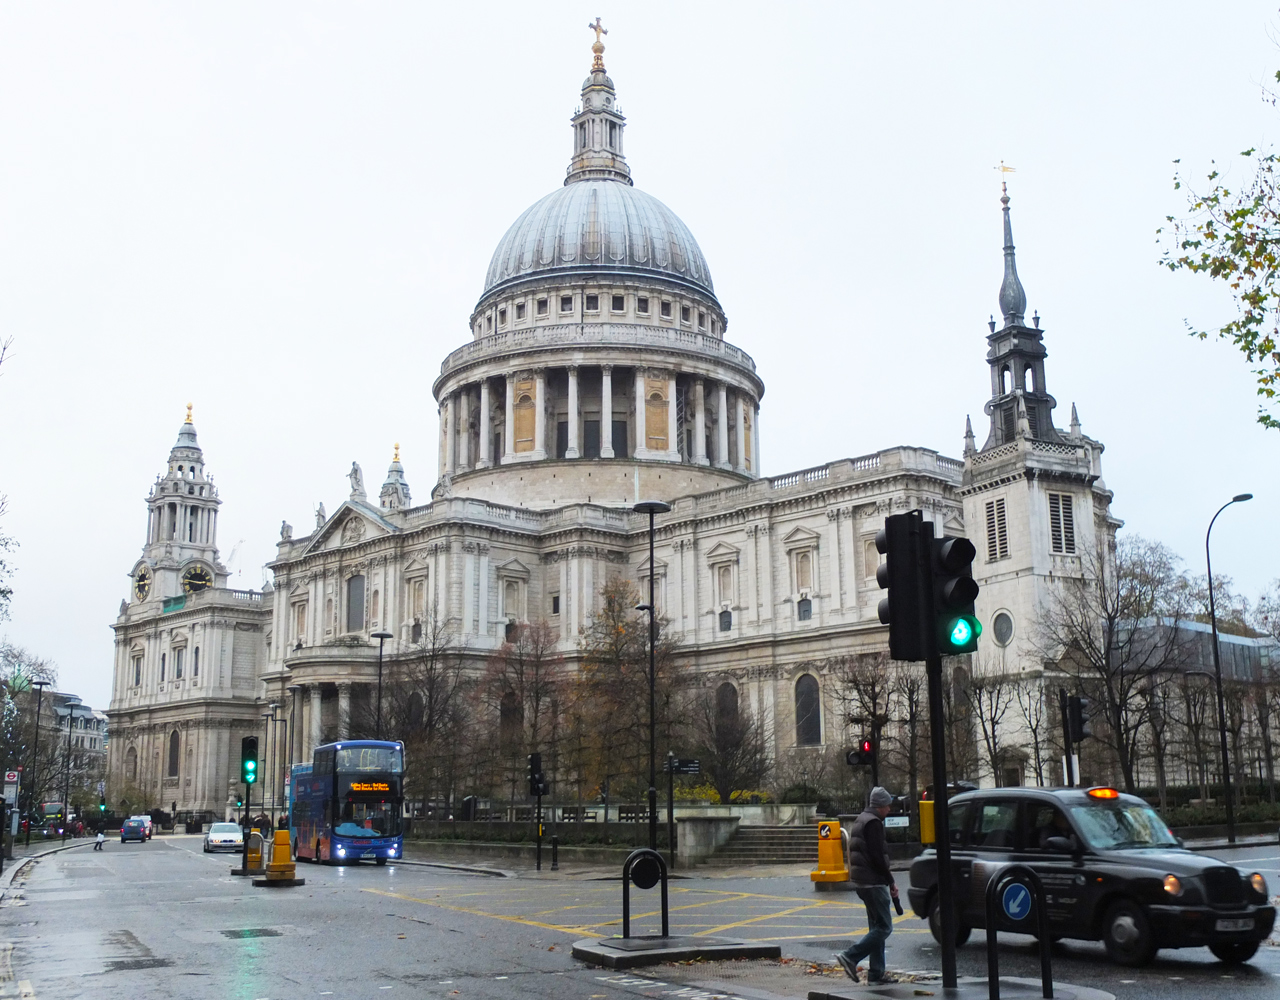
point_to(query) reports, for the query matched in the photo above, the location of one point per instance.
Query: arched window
(173, 754)
(131, 765)
(1028, 379)
(804, 571)
(355, 604)
(808, 712)
(1006, 380)
(726, 704)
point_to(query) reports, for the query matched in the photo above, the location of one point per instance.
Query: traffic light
(537, 780)
(954, 592)
(1078, 717)
(249, 759)
(239, 801)
(102, 803)
(899, 574)
(863, 755)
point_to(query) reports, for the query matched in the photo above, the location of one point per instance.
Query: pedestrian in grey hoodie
(870, 875)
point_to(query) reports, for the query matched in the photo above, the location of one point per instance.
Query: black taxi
(1111, 869)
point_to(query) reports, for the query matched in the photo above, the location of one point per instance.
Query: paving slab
(654, 949)
(1011, 988)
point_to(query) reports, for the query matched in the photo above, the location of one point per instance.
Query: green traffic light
(250, 765)
(961, 632)
(961, 635)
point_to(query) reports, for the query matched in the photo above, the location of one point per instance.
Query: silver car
(223, 837)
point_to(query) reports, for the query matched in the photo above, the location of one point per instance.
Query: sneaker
(850, 969)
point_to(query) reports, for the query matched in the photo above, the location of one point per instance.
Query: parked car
(224, 837)
(145, 821)
(133, 829)
(1111, 869)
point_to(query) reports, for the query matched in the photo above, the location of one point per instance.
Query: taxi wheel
(1127, 934)
(935, 924)
(1234, 952)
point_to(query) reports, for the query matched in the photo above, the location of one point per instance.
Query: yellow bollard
(253, 860)
(831, 867)
(926, 821)
(281, 871)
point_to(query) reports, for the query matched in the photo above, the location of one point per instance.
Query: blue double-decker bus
(346, 805)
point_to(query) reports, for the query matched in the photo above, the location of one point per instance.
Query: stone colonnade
(481, 428)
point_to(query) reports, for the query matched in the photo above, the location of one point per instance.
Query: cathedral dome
(604, 226)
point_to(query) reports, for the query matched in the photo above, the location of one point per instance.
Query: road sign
(824, 831)
(11, 777)
(10, 792)
(676, 765)
(896, 822)
(1016, 901)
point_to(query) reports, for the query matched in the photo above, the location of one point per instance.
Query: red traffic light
(866, 746)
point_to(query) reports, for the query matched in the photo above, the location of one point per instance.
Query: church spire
(1013, 300)
(395, 491)
(598, 125)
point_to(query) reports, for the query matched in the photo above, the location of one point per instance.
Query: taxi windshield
(1117, 825)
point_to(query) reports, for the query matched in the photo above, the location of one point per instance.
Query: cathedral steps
(763, 845)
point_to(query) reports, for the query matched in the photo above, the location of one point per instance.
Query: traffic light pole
(1066, 738)
(244, 831)
(922, 535)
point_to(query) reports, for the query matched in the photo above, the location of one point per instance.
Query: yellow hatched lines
(596, 910)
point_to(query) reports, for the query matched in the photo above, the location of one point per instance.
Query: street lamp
(382, 637)
(291, 731)
(70, 710)
(1217, 674)
(35, 754)
(652, 507)
(267, 719)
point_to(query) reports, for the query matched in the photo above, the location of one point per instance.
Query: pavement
(162, 919)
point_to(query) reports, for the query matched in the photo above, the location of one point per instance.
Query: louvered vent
(997, 531)
(1062, 524)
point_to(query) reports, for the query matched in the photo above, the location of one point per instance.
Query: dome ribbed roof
(601, 226)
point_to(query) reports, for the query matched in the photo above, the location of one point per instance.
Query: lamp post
(66, 772)
(382, 637)
(35, 754)
(291, 729)
(267, 718)
(652, 508)
(1217, 674)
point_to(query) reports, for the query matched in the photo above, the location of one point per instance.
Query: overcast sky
(283, 214)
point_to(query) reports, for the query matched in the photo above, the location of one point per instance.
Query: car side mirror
(1063, 845)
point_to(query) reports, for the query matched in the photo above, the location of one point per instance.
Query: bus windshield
(386, 760)
(369, 819)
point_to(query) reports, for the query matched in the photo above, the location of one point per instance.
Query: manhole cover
(839, 944)
(134, 964)
(251, 932)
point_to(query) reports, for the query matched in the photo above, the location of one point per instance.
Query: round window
(1003, 628)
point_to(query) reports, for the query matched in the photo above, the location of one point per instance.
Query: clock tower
(181, 552)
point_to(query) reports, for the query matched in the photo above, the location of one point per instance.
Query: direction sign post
(1016, 902)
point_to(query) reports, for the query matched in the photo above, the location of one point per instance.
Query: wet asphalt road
(163, 920)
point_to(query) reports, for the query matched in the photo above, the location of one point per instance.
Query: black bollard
(555, 854)
(1026, 877)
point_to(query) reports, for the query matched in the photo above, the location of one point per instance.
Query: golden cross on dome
(396, 458)
(598, 29)
(597, 47)
(188, 413)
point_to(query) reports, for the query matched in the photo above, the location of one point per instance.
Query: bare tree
(1115, 630)
(1033, 713)
(731, 744)
(990, 697)
(910, 699)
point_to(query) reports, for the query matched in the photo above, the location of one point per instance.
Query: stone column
(509, 431)
(642, 425)
(464, 430)
(673, 422)
(722, 427)
(571, 451)
(315, 713)
(484, 439)
(740, 460)
(699, 423)
(606, 411)
(344, 709)
(451, 435)
(540, 413)
(755, 443)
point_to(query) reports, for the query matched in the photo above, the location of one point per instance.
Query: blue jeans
(880, 927)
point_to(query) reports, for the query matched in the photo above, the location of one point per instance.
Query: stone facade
(598, 375)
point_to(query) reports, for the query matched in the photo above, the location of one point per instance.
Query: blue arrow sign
(1016, 901)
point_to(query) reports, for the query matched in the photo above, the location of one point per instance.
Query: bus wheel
(381, 861)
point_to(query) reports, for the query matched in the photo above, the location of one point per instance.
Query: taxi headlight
(1172, 885)
(1258, 883)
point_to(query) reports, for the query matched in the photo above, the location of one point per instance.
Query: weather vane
(1004, 170)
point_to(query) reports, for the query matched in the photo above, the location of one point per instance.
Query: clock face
(196, 578)
(142, 583)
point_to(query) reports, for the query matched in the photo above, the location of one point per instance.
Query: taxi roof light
(1103, 793)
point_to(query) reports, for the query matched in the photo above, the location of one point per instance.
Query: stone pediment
(644, 565)
(352, 523)
(722, 552)
(800, 536)
(513, 567)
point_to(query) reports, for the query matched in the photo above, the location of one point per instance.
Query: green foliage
(1234, 236)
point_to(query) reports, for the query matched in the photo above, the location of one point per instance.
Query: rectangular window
(178, 656)
(642, 305)
(502, 317)
(299, 620)
(684, 314)
(542, 306)
(997, 531)
(619, 439)
(666, 310)
(488, 323)
(562, 438)
(555, 604)
(519, 310)
(162, 665)
(593, 303)
(1062, 524)
(355, 604)
(195, 662)
(702, 320)
(137, 670)
(566, 303)
(619, 303)
(591, 439)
